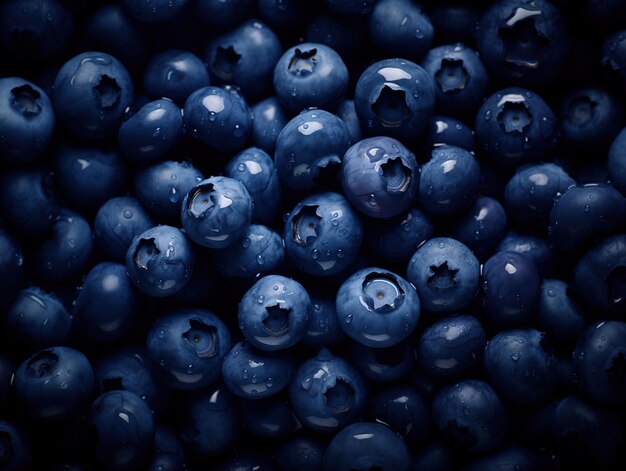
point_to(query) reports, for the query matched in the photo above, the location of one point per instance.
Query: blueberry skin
(117, 223)
(471, 416)
(310, 74)
(515, 126)
(152, 132)
(523, 42)
(37, 320)
(377, 308)
(347, 113)
(219, 117)
(217, 212)
(333, 242)
(404, 411)
(434, 456)
(452, 346)
(106, 304)
(160, 261)
(537, 249)
(510, 288)
(327, 393)
(11, 267)
(245, 57)
(27, 121)
(445, 274)
(91, 92)
(447, 131)
(54, 384)
(169, 453)
(324, 328)
(588, 435)
(17, 452)
(380, 177)
(302, 453)
(509, 458)
(459, 76)
(383, 365)
(400, 27)
(366, 445)
(398, 238)
(158, 11)
(530, 193)
(64, 255)
(449, 181)
(220, 13)
(519, 366)
(124, 429)
(87, 176)
(188, 347)
(161, 188)
(309, 150)
(174, 74)
(251, 373)
(269, 119)
(130, 370)
(282, 15)
(481, 227)
(256, 170)
(617, 162)
(274, 314)
(599, 360)
(270, 418)
(560, 314)
(28, 203)
(260, 252)
(585, 214)
(600, 276)
(211, 422)
(396, 98)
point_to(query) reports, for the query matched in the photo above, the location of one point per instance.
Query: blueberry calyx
(226, 59)
(305, 224)
(381, 292)
(202, 338)
(277, 319)
(340, 396)
(146, 251)
(514, 116)
(107, 91)
(452, 76)
(205, 200)
(443, 277)
(42, 363)
(303, 63)
(581, 111)
(26, 100)
(396, 174)
(390, 106)
(522, 39)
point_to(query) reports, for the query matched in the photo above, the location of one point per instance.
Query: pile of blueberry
(312, 235)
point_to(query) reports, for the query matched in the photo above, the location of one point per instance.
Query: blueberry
(27, 121)
(447, 131)
(309, 150)
(383, 365)
(283, 14)
(188, 347)
(269, 418)
(302, 453)
(54, 384)
(327, 393)
(222, 13)
(168, 451)
(157, 11)
(537, 249)
(617, 162)
(470, 415)
(324, 328)
(510, 457)
(310, 74)
(124, 429)
(322, 234)
(11, 267)
(345, 34)
(16, 452)
(160, 261)
(377, 308)
(217, 212)
(91, 92)
(269, 119)
(560, 314)
(380, 176)
(395, 97)
(445, 274)
(455, 22)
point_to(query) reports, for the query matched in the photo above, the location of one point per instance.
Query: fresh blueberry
(160, 261)
(174, 74)
(219, 117)
(324, 328)
(188, 347)
(459, 76)
(347, 113)
(396, 98)
(536, 248)
(117, 223)
(510, 287)
(217, 212)
(245, 57)
(452, 346)
(124, 430)
(270, 418)
(260, 252)
(560, 314)
(16, 452)
(447, 131)
(322, 234)
(327, 393)
(91, 92)
(157, 11)
(283, 14)
(256, 170)
(449, 181)
(269, 119)
(617, 162)
(445, 274)
(377, 308)
(54, 384)
(222, 12)
(512, 457)
(366, 445)
(151, 132)
(106, 304)
(471, 416)
(309, 150)
(301, 453)
(27, 121)
(515, 126)
(383, 365)
(380, 176)
(310, 74)
(11, 267)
